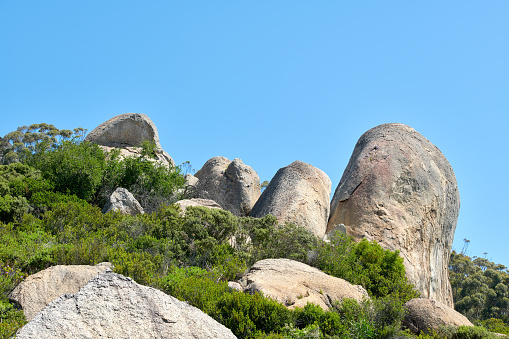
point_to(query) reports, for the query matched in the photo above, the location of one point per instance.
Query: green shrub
(74, 167)
(246, 315)
(195, 285)
(12, 208)
(366, 263)
(11, 319)
(495, 325)
(152, 183)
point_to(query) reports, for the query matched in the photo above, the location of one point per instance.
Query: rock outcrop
(126, 132)
(426, 315)
(232, 184)
(113, 306)
(122, 200)
(400, 190)
(38, 290)
(294, 284)
(184, 204)
(299, 193)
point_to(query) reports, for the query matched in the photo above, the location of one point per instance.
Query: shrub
(11, 319)
(152, 183)
(366, 263)
(194, 285)
(246, 315)
(74, 167)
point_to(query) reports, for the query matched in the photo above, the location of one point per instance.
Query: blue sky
(274, 82)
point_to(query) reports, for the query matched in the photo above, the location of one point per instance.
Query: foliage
(74, 167)
(495, 325)
(480, 288)
(19, 145)
(152, 183)
(11, 319)
(366, 263)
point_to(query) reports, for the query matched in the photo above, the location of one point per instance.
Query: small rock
(235, 286)
(184, 204)
(122, 200)
(426, 315)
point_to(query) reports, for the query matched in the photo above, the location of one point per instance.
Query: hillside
(55, 185)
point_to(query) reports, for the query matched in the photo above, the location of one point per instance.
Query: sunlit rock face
(400, 190)
(126, 132)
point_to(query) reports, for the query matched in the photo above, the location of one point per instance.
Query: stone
(232, 184)
(184, 204)
(191, 180)
(235, 286)
(300, 194)
(113, 306)
(126, 132)
(122, 200)
(39, 289)
(426, 315)
(400, 190)
(337, 228)
(294, 284)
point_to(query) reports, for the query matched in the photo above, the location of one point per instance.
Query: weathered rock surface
(113, 306)
(294, 284)
(235, 286)
(126, 132)
(400, 190)
(299, 193)
(426, 315)
(122, 200)
(232, 184)
(41, 288)
(184, 204)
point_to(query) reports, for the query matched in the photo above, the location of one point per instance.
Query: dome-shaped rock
(126, 132)
(400, 190)
(299, 193)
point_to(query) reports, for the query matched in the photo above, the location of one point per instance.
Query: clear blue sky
(271, 82)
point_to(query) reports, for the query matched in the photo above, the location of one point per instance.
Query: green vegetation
(53, 186)
(481, 291)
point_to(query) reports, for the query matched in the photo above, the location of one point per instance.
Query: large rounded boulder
(113, 306)
(400, 190)
(294, 284)
(126, 132)
(232, 184)
(299, 193)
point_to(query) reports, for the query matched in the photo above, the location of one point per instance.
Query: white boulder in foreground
(113, 306)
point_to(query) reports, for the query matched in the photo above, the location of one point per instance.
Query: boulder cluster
(397, 189)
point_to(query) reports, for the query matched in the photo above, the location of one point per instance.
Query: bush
(152, 183)
(365, 263)
(11, 319)
(74, 167)
(248, 315)
(194, 285)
